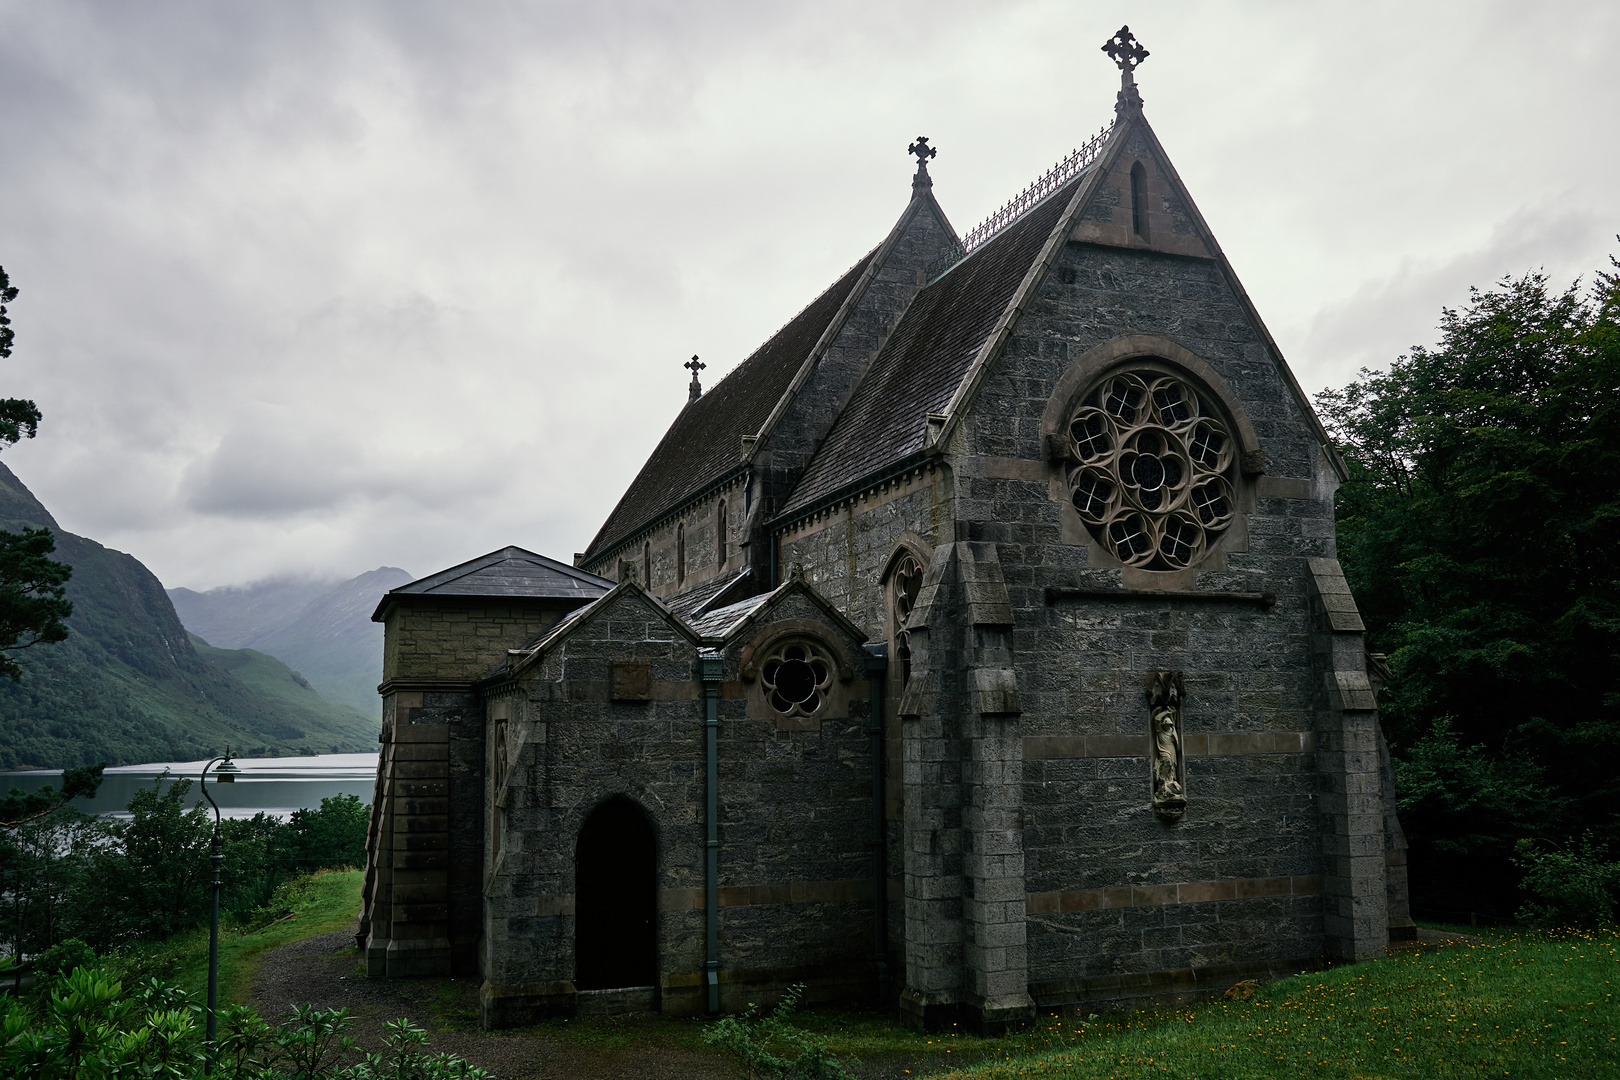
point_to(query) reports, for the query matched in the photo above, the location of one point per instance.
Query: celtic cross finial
(1125, 50)
(695, 390)
(921, 181)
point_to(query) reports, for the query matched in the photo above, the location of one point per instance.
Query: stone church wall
(846, 551)
(795, 829)
(1235, 888)
(656, 553)
(794, 885)
(572, 746)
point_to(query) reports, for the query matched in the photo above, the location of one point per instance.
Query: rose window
(1153, 483)
(797, 677)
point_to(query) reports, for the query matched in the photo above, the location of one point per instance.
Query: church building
(976, 646)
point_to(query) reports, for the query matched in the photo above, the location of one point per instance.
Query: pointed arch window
(1139, 200)
(904, 585)
(646, 565)
(720, 535)
(680, 553)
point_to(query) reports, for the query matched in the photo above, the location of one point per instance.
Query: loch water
(272, 785)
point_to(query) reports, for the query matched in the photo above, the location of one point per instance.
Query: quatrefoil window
(797, 677)
(1155, 463)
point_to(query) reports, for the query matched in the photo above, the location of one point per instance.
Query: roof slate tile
(927, 357)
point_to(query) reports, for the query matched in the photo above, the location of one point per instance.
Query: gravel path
(325, 971)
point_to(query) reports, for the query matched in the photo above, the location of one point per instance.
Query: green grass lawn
(1513, 1004)
(317, 904)
(1510, 1003)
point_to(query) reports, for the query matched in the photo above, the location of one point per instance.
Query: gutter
(710, 669)
(877, 665)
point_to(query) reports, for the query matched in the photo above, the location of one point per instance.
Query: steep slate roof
(510, 573)
(717, 622)
(928, 355)
(705, 441)
(709, 595)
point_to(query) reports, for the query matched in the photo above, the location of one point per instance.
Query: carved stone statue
(1164, 703)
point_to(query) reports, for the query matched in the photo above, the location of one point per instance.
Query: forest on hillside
(1480, 531)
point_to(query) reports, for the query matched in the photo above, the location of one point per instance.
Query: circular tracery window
(797, 677)
(1154, 479)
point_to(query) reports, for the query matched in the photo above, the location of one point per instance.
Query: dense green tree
(1480, 529)
(32, 585)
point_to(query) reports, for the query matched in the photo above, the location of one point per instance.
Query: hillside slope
(269, 678)
(324, 632)
(128, 685)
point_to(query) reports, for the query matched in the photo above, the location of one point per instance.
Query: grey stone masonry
(610, 706)
(994, 948)
(931, 749)
(1356, 917)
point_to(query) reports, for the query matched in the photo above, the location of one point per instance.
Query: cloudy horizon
(312, 288)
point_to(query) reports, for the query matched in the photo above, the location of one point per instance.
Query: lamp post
(225, 774)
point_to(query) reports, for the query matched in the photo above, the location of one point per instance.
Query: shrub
(771, 1046)
(89, 1028)
(1574, 885)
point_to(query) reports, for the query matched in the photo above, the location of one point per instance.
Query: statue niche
(1169, 774)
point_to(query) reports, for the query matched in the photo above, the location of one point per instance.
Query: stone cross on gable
(923, 151)
(694, 391)
(1125, 50)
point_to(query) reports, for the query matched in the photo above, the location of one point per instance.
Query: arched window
(680, 553)
(646, 565)
(1139, 200)
(904, 585)
(720, 535)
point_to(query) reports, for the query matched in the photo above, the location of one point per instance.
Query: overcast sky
(313, 287)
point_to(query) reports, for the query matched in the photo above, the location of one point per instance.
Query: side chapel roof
(705, 441)
(511, 573)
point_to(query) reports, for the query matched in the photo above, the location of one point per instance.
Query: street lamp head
(225, 772)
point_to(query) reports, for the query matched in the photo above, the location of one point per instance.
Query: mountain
(129, 685)
(232, 616)
(322, 631)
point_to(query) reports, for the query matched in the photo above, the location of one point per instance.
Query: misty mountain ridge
(321, 630)
(129, 685)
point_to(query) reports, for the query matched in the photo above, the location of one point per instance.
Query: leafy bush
(771, 1046)
(90, 1029)
(1574, 885)
(112, 883)
(1477, 531)
(1463, 808)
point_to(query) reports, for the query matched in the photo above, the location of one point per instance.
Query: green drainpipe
(877, 666)
(710, 668)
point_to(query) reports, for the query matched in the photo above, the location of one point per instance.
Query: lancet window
(905, 582)
(720, 535)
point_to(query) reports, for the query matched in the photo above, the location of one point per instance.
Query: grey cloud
(1385, 317)
(310, 287)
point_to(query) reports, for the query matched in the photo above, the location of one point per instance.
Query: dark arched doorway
(616, 899)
